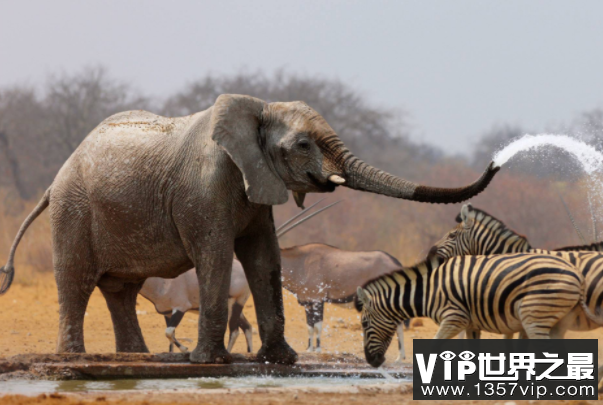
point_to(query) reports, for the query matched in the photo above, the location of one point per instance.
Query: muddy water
(35, 387)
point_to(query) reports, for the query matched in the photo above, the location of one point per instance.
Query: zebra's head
(479, 233)
(378, 326)
(460, 240)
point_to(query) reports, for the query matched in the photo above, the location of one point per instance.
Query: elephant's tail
(7, 273)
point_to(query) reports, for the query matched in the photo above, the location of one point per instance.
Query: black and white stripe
(480, 233)
(498, 293)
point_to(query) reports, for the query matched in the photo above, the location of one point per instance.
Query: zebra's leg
(546, 328)
(472, 333)
(170, 331)
(401, 351)
(233, 324)
(319, 311)
(247, 331)
(558, 331)
(452, 325)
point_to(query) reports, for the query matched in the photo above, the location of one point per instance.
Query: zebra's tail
(594, 317)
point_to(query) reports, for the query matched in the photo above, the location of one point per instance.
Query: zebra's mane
(594, 247)
(480, 215)
(432, 255)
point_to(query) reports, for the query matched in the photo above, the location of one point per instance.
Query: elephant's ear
(235, 123)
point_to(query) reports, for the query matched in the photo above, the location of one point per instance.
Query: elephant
(174, 297)
(150, 196)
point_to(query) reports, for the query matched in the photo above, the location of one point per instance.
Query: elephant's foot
(318, 350)
(130, 343)
(279, 353)
(310, 349)
(132, 347)
(70, 347)
(206, 355)
(400, 358)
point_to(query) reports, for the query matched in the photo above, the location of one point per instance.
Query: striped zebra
(479, 233)
(499, 293)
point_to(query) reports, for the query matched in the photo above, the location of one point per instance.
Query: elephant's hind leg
(122, 305)
(73, 300)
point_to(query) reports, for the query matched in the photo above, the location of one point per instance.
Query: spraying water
(589, 158)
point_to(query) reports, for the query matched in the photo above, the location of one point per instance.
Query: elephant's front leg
(214, 266)
(260, 255)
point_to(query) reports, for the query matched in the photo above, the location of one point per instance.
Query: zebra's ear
(361, 299)
(433, 256)
(467, 215)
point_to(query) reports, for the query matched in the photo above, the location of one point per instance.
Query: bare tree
(79, 102)
(40, 131)
(24, 140)
(379, 135)
(589, 125)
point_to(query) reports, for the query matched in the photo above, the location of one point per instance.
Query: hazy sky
(456, 66)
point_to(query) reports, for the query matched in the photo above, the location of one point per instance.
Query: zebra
(479, 233)
(497, 293)
(593, 247)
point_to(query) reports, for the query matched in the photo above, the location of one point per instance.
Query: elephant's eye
(303, 144)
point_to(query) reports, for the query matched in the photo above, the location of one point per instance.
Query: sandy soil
(29, 324)
(364, 397)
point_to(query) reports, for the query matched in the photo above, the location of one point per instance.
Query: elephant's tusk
(336, 179)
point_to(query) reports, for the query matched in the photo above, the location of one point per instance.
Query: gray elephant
(149, 196)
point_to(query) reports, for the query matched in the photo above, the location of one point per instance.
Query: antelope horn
(593, 218)
(293, 218)
(281, 233)
(572, 219)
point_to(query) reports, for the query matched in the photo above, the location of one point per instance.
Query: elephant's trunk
(359, 175)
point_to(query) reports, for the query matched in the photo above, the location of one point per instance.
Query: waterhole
(36, 387)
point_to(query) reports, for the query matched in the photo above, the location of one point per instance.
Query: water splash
(586, 155)
(590, 159)
(386, 375)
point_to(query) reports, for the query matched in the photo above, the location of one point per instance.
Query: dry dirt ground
(29, 324)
